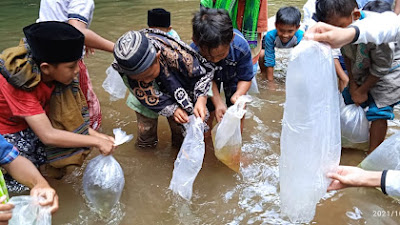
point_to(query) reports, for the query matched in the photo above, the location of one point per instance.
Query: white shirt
(392, 183)
(64, 10)
(379, 28)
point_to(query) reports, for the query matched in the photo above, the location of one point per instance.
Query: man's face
(215, 54)
(285, 31)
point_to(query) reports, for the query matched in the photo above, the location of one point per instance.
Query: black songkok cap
(158, 18)
(54, 42)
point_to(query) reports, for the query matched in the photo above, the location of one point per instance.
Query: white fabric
(379, 28)
(61, 10)
(392, 183)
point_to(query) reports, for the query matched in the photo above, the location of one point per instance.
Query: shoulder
(271, 35)
(239, 43)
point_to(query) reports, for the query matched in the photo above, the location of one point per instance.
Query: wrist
(371, 179)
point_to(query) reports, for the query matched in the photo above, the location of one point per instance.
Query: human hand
(181, 116)
(46, 196)
(336, 37)
(200, 108)
(105, 146)
(350, 176)
(5, 211)
(220, 111)
(235, 97)
(358, 96)
(89, 51)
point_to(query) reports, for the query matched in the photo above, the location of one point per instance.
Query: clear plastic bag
(27, 211)
(310, 139)
(114, 84)
(189, 160)
(353, 123)
(103, 180)
(385, 157)
(227, 136)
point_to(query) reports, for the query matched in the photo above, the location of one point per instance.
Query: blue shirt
(7, 151)
(237, 66)
(270, 41)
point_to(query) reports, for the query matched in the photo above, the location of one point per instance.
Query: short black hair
(326, 9)
(289, 16)
(212, 28)
(378, 6)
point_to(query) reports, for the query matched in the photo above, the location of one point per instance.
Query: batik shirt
(184, 76)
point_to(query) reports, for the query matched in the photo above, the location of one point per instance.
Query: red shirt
(16, 103)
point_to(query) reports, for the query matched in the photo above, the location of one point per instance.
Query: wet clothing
(147, 131)
(379, 61)
(7, 151)
(237, 66)
(272, 40)
(64, 10)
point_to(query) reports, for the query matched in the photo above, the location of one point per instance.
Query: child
(374, 78)
(79, 14)
(377, 6)
(47, 61)
(158, 19)
(25, 172)
(286, 35)
(166, 76)
(161, 19)
(216, 40)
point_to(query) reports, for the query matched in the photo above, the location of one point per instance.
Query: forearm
(370, 179)
(93, 40)
(242, 87)
(22, 170)
(368, 83)
(270, 73)
(216, 98)
(339, 70)
(397, 7)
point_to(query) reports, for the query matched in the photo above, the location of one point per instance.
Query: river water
(220, 195)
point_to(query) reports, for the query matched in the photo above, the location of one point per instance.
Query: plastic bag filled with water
(385, 157)
(27, 211)
(103, 179)
(310, 139)
(227, 136)
(189, 160)
(353, 123)
(114, 85)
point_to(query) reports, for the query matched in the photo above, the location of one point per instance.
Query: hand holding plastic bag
(114, 84)
(227, 136)
(353, 123)
(189, 160)
(27, 211)
(103, 180)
